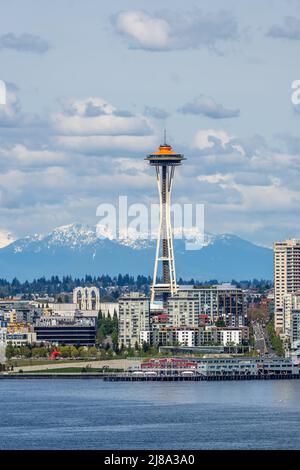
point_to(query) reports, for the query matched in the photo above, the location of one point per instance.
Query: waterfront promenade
(111, 364)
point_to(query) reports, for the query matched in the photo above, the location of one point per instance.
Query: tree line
(55, 285)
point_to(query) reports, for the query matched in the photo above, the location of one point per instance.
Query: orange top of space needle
(164, 149)
(165, 154)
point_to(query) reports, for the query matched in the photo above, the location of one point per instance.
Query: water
(92, 414)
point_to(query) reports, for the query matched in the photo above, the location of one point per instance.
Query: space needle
(164, 160)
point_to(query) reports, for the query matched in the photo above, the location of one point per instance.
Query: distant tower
(164, 162)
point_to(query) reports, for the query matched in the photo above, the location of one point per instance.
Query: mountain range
(77, 250)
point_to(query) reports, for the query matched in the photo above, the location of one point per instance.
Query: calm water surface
(92, 414)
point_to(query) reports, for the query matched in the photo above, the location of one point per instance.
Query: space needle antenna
(165, 137)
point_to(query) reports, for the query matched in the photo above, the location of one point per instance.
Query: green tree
(37, 352)
(82, 351)
(114, 338)
(65, 351)
(10, 350)
(101, 334)
(25, 351)
(275, 340)
(92, 351)
(74, 351)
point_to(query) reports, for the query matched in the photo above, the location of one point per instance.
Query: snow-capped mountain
(79, 249)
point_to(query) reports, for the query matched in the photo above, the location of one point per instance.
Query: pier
(198, 378)
(162, 378)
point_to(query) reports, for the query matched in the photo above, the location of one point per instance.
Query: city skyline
(217, 88)
(144, 318)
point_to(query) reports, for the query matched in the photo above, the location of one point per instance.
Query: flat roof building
(58, 330)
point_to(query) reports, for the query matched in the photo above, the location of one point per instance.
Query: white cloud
(206, 138)
(25, 42)
(107, 144)
(100, 125)
(22, 156)
(144, 30)
(215, 178)
(290, 29)
(94, 125)
(207, 106)
(169, 30)
(61, 179)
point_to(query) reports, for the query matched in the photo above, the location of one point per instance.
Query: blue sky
(91, 86)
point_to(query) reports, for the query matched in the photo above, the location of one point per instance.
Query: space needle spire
(164, 160)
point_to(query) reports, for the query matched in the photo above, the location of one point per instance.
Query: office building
(79, 331)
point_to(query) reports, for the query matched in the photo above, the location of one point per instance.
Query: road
(259, 336)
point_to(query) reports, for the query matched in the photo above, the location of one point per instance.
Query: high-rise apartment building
(183, 309)
(218, 302)
(191, 308)
(286, 276)
(295, 326)
(134, 316)
(291, 303)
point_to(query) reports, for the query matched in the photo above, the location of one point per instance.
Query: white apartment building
(183, 309)
(145, 337)
(231, 336)
(3, 336)
(222, 301)
(134, 316)
(291, 303)
(170, 336)
(295, 327)
(191, 337)
(286, 276)
(186, 337)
